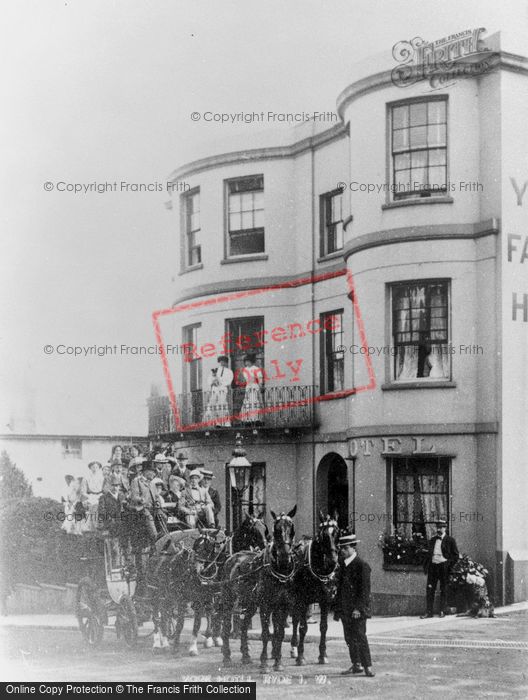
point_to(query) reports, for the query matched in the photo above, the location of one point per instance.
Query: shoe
(369, 672)
(357, 668)
(424, 617)
(442, 614)
(348, 672)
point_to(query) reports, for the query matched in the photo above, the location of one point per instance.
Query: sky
(102, 91)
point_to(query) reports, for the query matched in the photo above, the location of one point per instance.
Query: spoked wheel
(126, 621)
(90, 613)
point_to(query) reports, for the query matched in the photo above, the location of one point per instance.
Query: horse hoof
(293, 653)
(278, 667)
(218, 642)
(193, 652)
(323, 659)
(300, 661)
(208, 642)
(263, 668)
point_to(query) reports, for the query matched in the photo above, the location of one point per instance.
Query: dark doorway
(332, 488)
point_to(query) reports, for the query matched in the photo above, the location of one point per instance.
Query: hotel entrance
(332, 488)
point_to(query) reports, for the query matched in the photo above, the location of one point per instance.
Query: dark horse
(315, 582)
(184, 570)
(260, 580)
(252, 534)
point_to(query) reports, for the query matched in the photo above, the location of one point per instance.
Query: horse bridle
(283, 578)
(323, 578)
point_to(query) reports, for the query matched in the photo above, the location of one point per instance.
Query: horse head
(283, 536)
(326, 541)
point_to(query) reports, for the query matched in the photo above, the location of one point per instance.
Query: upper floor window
(419, 148)
(245, 216)
(332, 352)
(193, 249)
(72, 448)
(331, 222)
(420, 333)
(192, 362)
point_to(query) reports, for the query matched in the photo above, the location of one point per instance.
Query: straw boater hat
(160, 458)
(348, 540)
(181, 455)
(207, 474)
(441, 523)
(196, 472)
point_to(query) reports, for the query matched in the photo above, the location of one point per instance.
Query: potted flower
(401, 550)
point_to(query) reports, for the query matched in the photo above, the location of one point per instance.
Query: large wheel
(126, 621)
(90, 612)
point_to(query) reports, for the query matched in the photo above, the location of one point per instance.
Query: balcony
(278, 408)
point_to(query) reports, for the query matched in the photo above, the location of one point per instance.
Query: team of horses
(229, 579)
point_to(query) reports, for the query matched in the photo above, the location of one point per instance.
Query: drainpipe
(314, 377)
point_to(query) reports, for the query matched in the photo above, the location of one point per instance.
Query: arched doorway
(331, 487)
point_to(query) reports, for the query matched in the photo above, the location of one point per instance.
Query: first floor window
(191, 202)
(332, 354)
(331, 222)
(420, 494)
(420, 331)
(245, 213)
(72, 448)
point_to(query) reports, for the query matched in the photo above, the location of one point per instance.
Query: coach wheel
(126, 621)
(89, 612)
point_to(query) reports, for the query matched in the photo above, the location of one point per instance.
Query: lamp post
(237, 481)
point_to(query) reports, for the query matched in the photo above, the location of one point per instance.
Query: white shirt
(350, 559)
(438, 557)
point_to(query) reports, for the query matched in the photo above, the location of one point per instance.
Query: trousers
(356, 638)
(436, 573)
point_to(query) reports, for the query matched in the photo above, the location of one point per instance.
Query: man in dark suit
(353, 605)
(206, 482)
(441, 555)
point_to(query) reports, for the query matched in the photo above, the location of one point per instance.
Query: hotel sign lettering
(391, 446)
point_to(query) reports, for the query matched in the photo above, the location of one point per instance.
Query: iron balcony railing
(271, 407)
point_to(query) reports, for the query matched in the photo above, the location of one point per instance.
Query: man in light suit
(353, 605)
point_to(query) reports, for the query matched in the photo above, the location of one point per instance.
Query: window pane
(437, 177)
(258, 200)
(436, 111)
(418, 136)
(437, 156)
(400, 117)
(436, 135)
(339, 236)
(401, 161)
(234, 222)
(419, 178)
(402, 178)
(247, 220)
(247, 243)
(400, 139)
(246, 201)
(418, 113)
(234, 202)
(419, 159)
(259, 219)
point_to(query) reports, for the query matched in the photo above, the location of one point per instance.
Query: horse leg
(295, 627)
(216, 626)
(244, 646)
(193, 649)
(264, 622)
(226, 608)
(208, 634)
(303, 627)
(279, 623)
(323, 626)
(181, 609)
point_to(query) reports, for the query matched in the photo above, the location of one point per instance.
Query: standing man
(207, 478)
(180, 468)
(353, 605)
(442, 554)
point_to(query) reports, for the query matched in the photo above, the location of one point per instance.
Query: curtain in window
(405, 504)
(438, 358)
(433, 494)
(411, 320)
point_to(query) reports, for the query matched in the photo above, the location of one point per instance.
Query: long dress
(252, 401)
(94, 489)
(70, 497)
(218, 404)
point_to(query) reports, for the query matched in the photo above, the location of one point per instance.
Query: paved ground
(412, 658)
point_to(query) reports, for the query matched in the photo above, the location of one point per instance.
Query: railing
(271, 407)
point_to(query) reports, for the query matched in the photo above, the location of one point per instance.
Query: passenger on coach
(202, 499)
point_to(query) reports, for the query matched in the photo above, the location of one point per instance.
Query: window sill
(442, 384)
(336, 255)
(244, 258)
(191, 268)
(403, 567)
(422, 200)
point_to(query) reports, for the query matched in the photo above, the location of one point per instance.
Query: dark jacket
(449, 551)
(217, 506)
(109, 514)
(353, 589)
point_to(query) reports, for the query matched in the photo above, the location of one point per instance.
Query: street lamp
(238, 469)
